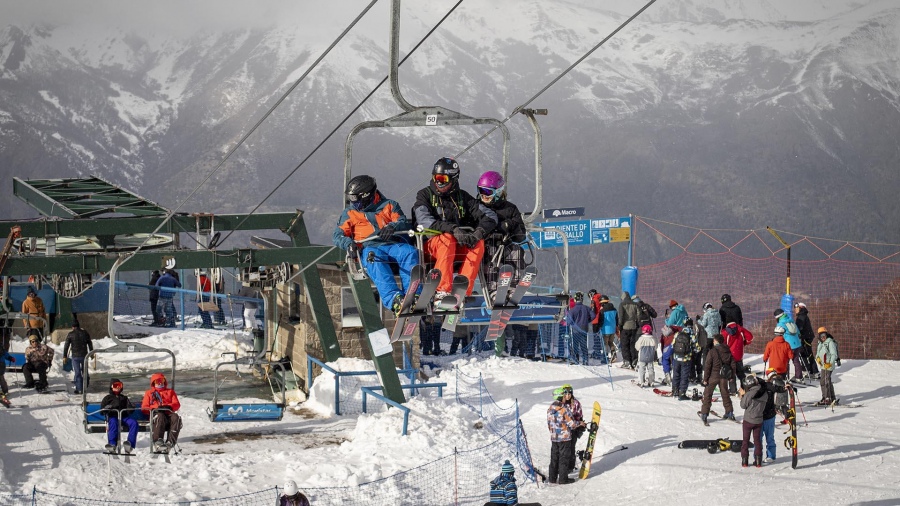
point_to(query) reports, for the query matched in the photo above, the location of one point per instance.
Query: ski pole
(800, 403)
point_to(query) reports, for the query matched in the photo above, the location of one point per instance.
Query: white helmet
(779, 330)
(290, 488)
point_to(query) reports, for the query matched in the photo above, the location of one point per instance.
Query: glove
(464, 238)
(386, 233)
(479, 235)
(65, 360)
(12, 359)
(353, 250)
(506, 226)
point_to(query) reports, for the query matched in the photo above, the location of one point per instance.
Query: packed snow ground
(847, 456)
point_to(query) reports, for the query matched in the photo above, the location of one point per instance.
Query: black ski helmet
(360, 191)
(445, 174)
(592, 292)
(726, 298)
(579, 297)
(749, 381)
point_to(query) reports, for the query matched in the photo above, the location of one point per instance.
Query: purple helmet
(491, 184)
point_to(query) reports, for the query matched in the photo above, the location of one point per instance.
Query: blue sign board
(584, 232)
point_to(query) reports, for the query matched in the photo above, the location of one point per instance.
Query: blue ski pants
(681, 376)
(112, 430)
(380, 261)
(768, 429)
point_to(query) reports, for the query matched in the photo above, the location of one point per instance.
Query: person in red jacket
(736, 337)
(778, 353)
(164, 403)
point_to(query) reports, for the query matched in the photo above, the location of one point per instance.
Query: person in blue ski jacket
(677, 314)
(168, 280)
(503, 488)
(792, 337)
(370, 215)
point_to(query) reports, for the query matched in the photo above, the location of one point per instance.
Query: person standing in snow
(114, 405)
(163, 399)
(778, 353)
(153, 298)
(35, 314)
(562, 445)
(629, 315)
(574, 406)
(292, 496)
(682, 351)
(503, 488)
(647, 312)
(736, 337)
(730, 312)
(168, 280)
(753, 399)
(676, 314)
(665, 342)
(827, 357)
(80, 342)
(718, 361)
(808, 338)
(607, 319)
(646, 352)
(775, 386)
(712, 322)
(792, 337)
(578, 320)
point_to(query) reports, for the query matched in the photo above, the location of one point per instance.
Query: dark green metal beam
(80, 197)
(150, 260)
(145, 225)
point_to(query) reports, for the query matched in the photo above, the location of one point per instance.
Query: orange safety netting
(852, 289)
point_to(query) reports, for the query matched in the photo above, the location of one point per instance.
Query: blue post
(309, 378)
(337, 394)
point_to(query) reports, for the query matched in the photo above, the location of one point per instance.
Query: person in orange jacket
(778, 353)
(161, 402)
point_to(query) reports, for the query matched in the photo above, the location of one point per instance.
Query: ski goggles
(117, 386)
(489, 192)
(160, 384)
(353, 197)
(441, 178)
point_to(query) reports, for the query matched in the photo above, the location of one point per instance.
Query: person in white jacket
(646, 354)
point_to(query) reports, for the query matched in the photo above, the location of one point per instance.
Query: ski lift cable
(343, 121)
(268, 113)
(560, 76)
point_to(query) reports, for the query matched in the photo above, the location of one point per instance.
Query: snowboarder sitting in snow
(562, 449)
(292, 496)
(38, 358)
(370, 214)
(165, 402)
(114, 405)
(503, 488)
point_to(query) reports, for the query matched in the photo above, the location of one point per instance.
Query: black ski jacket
(803, 323)
(731, 312)
(456, 208)
(80, 342)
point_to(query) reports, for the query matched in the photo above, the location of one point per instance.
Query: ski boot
(683, 396)
(745, 462)
(704, 418)
(127, 447)
(110, 448)
(757, 461)
(729, 416)
(696, 396)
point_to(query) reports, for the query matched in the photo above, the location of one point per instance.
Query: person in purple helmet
(502, 245)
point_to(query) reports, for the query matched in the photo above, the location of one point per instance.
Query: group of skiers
(481, 233)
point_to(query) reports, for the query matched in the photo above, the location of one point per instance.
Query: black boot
(744, 462)
(757, 461)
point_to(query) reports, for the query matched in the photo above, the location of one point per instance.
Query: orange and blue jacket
(354, 226)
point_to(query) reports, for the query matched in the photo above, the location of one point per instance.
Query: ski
(592, 437)
(500, 318)
(791, 441)
(664, 393)
(713, 413)
(410, 323)
(496, 327)
(415, 280)
(460, 287)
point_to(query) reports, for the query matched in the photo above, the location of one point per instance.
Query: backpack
(682, 344)
(701, 336)
(725, 372)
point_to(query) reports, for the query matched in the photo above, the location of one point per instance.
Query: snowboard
(592, 437)
(500, 318)
(791, 441)
(713, 445)
(458, 301)
(415, 280)
(410, 322)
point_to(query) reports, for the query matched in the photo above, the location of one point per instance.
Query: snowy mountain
(718, 114)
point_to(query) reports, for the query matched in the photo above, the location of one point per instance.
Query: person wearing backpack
(712, 322)
(681, 363)
(665, 343)
(792, 337)
(720, 368)
(607, 319)
(736, 337)
(700, 345)
(647, 312)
